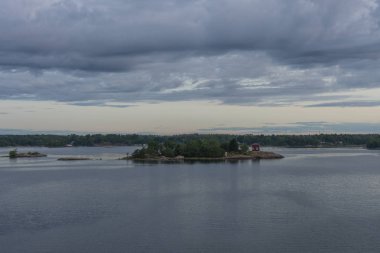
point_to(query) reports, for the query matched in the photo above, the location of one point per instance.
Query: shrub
(13, 153)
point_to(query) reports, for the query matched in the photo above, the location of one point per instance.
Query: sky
(182, 66)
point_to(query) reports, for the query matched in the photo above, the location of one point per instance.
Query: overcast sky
(178, 66)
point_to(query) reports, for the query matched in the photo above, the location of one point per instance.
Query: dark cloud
(238, 52)
(104, 36)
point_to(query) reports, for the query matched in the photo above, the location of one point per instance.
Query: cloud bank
(250, 52)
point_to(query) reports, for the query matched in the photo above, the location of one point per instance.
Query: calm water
(319, 200)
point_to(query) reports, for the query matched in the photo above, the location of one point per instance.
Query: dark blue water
(319, 200)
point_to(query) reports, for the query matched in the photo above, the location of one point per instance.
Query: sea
(313, 200)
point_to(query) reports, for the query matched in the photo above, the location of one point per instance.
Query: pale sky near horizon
(180, 66)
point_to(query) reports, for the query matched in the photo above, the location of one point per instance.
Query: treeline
(374, 143)
(324, 140)
(75, 140)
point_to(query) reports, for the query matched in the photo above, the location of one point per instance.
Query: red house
(255, 147)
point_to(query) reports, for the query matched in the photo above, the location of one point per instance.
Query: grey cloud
(237, 52)
(99, 103)
(84, 34)
(233, 78)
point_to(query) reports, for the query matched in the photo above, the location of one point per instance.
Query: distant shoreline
(117, 140)
(139, 145)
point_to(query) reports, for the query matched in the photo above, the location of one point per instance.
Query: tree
(373, 144)
(139, 153)
(244, 148)
(168, 149)
(153, 148)
(225, 146)
(179, 150)
(233, 146)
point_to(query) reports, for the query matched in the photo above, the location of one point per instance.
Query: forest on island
(194, 148)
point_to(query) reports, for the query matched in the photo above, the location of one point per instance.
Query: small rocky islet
(74, 159)
(14, 154)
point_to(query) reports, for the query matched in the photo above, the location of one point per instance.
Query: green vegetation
(194, 148)
(13, 153)
(201, 148)
(374, 143)
(178, 142)
(77, 140)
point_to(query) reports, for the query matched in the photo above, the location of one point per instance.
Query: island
(14, 154)
(201, 149)
(74, 159)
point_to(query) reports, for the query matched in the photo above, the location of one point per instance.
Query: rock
(74, 159)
